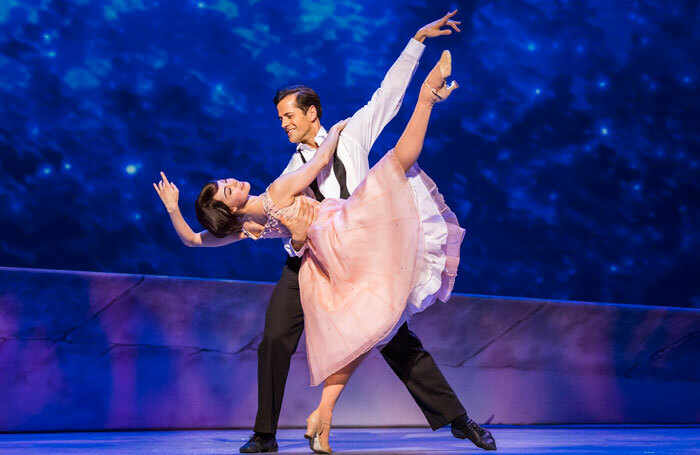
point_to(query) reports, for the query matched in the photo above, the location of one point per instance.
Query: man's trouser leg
(284, 323)
(416, 368)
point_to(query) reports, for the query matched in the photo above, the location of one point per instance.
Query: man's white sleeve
(290, 249)
(365, 126)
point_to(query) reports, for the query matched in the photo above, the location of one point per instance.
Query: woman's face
(232, 192)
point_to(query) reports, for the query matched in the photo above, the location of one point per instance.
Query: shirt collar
(320, 136)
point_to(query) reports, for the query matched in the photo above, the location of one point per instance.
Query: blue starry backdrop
(570, 152)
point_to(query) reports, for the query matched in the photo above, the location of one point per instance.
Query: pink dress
(373, 260)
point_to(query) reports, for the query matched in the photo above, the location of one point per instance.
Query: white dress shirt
(362, 131)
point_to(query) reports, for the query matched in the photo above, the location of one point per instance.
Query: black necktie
(339, 171)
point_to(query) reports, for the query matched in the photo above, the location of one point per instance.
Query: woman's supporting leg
(433, 90)
(319, 422)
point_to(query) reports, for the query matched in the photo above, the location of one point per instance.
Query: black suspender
(338, 170)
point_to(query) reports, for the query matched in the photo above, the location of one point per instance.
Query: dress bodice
(274, 229)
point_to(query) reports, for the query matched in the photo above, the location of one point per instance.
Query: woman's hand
(340, 126)
(168, 193)
(330, 143)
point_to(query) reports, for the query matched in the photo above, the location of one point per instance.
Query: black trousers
(284, 323)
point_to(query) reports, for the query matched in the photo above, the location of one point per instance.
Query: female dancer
(373, 259)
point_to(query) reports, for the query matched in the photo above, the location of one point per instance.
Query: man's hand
(168, 193)
(299, 225)
(435, 28)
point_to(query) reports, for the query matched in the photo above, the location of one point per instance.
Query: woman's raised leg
(432, 91)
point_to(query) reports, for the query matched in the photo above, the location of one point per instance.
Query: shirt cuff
(301, 252)
(291, 251)
(414, 49)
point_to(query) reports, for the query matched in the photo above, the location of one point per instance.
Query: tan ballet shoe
(435, 81)
(319, 443)
(313, 425)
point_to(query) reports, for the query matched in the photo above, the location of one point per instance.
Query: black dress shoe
(260, 443)
(465, 428)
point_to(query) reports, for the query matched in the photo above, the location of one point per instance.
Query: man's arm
(295, 248)
(367, 123)
(308, 211)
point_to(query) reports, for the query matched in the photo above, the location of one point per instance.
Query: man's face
(295, 123)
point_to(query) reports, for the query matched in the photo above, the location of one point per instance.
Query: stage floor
(662, 440)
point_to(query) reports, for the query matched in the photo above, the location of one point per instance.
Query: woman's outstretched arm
(286, 186)
(169, 194)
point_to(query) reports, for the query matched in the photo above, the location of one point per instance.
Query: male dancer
(299, 110)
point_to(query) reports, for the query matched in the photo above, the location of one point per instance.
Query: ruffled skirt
(375, 259)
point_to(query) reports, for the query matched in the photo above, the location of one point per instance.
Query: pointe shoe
(316, 444)
(313, 425)
(435, 81)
